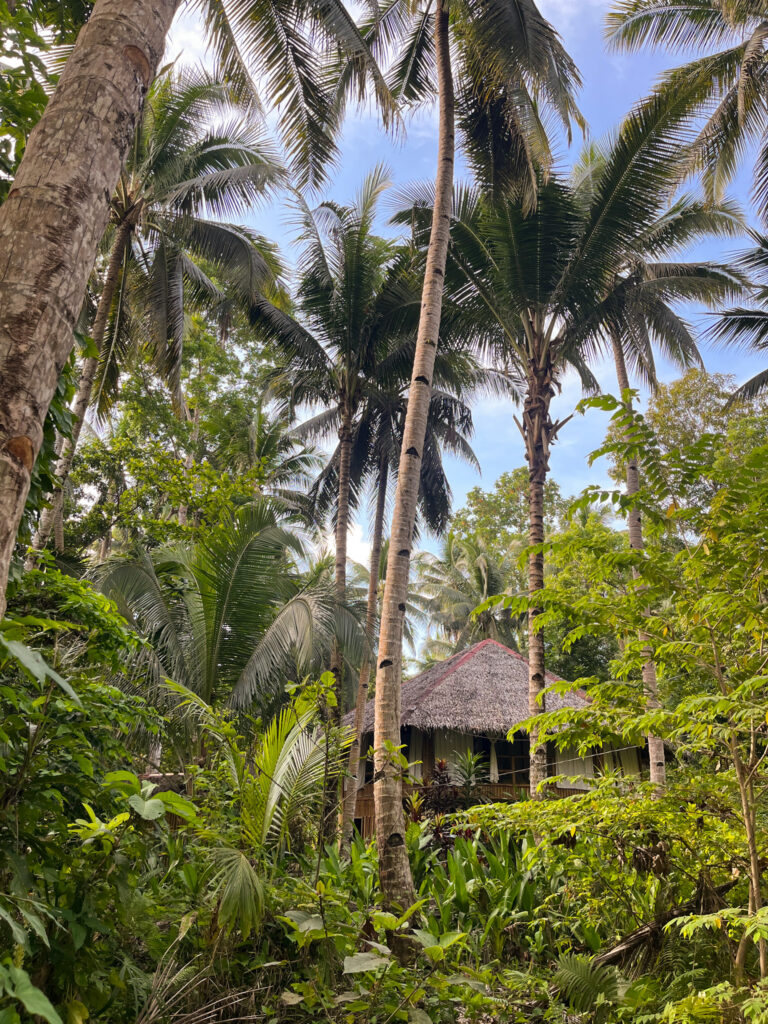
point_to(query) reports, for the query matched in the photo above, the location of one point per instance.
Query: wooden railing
(491, 792)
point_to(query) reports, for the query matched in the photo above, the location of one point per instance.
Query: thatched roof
(481, 690)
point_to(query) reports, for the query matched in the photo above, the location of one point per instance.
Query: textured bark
(53, 220)
(395, 871)
(53, 514)
(340, 563)
(658, 773)
(538, 433)
(353, 767)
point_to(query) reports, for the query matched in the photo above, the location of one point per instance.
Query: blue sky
(612, 83)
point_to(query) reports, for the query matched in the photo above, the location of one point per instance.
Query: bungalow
(471, 702)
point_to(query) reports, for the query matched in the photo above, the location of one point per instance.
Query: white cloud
(186, 42)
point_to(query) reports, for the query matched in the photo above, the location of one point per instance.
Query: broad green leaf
(123, 779)
(36, 666)
(150, 810)
(417, 1016)
(360, 962)
(32, 999)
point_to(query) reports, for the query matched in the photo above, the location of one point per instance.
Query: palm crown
(512, 71)
(592, 261)
(728, 84)
(197, 157)
(231, 618)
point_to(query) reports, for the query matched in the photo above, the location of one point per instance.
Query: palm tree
(287, 465)
(51, 223)
(231, 617)
(748, 325)
(380, 429)
(728, 84)
(504, 54)
(180, 170)
(641, 296)
(452, 585)
(550, 285)
(353, 335)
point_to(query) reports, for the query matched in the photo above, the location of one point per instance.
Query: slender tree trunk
(395, 870)
(340, 563)
(105, 545)
(189, 461)
(52, 221)
(658, 773)
(332, 791)
(353, 768)
(90, 365)
(538, 433)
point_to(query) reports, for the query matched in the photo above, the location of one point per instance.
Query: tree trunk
(189, 461)
(395, 870)
(658, 774)
(353, 768)
(52, 222)
(538, 432)
(84, 391)
(340, 562)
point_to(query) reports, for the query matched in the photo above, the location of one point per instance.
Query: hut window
(512, 760)
(485, 747)
(367, 749)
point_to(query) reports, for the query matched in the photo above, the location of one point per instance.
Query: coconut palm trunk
(658, 774)
(394, 868)
(90, 364)
(538, 432)
(353, 768)
(53, 220)
(340, 562)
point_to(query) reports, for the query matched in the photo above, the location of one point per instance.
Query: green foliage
(499, 517)
(75, 847)
(229, 618)
(449, 587)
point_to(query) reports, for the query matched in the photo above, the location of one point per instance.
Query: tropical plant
(748, 325)
(277, 783)
(349, 352)
(450, 586)
(698, 592)
(265, 442)
(75, 854)
(180, 170)
(230, 618)
(727, 84)
(648, 319)
(499, 517)
(448, 426)
(549, 286)
(45, 275)
(347, 300)
(503, 58)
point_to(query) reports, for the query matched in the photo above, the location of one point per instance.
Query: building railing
(490, 792)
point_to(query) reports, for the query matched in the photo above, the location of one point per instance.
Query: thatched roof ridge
(481, 690)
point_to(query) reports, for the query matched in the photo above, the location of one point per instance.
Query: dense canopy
(299, 721)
